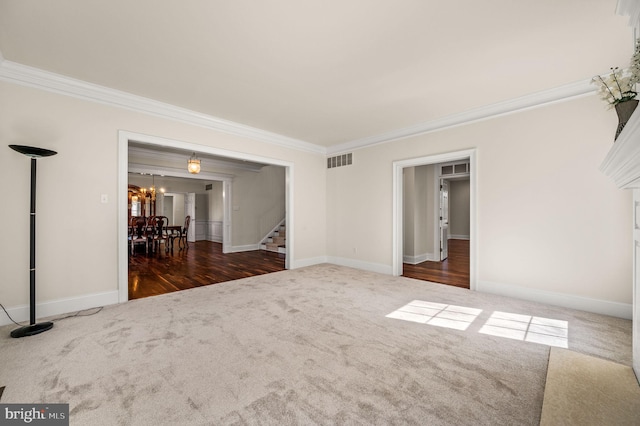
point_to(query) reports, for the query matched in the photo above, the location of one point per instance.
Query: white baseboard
(414, 260)
(60, 306)
(343, 261)
(359, 264)
(604, 307)
(309, 262)
(351, 263)
(248, 247)
(459, 237)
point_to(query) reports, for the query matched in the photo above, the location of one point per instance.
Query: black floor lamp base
(30, 330)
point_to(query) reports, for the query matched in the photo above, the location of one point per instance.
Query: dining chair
(184, 232)
(138, 233)
(159, 233)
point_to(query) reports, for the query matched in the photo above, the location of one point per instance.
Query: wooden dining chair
(158, 231)
(138, 233)
(184, 232)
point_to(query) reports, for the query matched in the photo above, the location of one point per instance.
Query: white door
(444, 219)
(190, 210)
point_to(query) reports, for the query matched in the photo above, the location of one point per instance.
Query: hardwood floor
(452, 271)
(202, 264)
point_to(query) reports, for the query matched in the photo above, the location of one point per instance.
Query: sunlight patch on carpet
(438, 314)
(545, 331)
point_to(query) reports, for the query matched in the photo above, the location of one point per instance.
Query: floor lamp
(32, 328)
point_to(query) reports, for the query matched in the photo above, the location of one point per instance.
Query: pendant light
(193, 164)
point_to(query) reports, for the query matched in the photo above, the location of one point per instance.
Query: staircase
(276, 241)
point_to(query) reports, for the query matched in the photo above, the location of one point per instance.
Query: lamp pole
(33, 327)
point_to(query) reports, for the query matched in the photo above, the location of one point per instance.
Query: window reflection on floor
(527, 328)
(438, 314)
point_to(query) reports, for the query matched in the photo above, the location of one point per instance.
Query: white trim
(123, 186)
(16, 73)
(302, 263)
(622, 163)
(227, 197)
(397, 240)
(13, 72)
(214, 230)
(123, 153)
(359, 264)
(289, 258)
(603, 307)
(61, 306)
(534, 100)
(424, 257)
(206, 149)
(247, 247)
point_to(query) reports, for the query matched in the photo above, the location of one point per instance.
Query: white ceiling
(322, 71)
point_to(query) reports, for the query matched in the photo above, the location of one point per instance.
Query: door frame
(443, 232)
(124, 137)
(398, 199)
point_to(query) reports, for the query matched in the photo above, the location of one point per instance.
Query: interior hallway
(452, 271)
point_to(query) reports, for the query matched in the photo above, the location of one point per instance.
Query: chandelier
(193, 164)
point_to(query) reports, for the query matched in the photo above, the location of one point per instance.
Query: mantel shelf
(622, 163)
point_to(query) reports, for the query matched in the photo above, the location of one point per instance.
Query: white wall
(258, 204)
(459, 196)
(409, 213)
(419, 211)
(72, 273)
(179, 213)
(167, 208)
(547, 219)
(216, 202)
(202, 207)
(422, 216)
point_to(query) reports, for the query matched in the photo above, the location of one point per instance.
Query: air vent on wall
(339, 160)
(208, 187)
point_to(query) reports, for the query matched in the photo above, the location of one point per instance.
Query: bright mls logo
(35, 414)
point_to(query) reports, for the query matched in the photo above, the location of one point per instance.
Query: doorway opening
(225, 226)
(434, 218)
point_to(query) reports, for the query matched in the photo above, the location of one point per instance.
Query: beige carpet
(319, 345)
(585, 390)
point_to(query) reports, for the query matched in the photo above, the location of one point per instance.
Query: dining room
(179, 223)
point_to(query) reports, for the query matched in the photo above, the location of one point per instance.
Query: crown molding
(13, 72)
(28, 76)
(558, 94)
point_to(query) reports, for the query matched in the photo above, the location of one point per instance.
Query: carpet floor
(589, 391)
(318, 345)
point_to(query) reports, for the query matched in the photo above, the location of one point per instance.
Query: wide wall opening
(235, 206)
